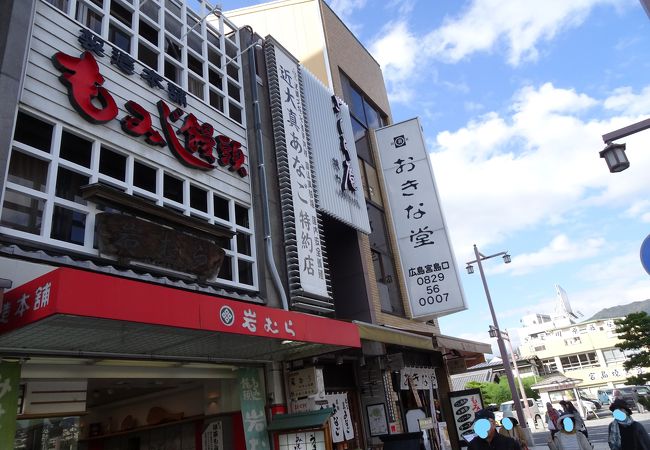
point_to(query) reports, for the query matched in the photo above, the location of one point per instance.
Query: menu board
(464, 404)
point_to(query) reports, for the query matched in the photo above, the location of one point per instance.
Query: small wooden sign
(132, 238)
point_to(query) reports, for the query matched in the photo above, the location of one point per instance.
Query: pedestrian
(577, 418)
(624, 432)
(487, 436)
(510, 427)
(551, 418)
(568, 437)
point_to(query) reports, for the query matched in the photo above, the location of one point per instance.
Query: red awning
(66, 292)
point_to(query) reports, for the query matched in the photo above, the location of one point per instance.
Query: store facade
(143, 313)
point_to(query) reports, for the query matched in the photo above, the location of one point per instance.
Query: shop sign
(84, 84)
(9, 378)
(295, 170)
(89, 294)
(212, 437)
(131, 238)
(340, 422)
(332, 149)
(29, 302)
(418, 377)
(427, 259)
(306, 382)
(311, 440)
(252, 399)
(464, 404)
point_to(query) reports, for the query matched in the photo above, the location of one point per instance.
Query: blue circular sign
(645, 254)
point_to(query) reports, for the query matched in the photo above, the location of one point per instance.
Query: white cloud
(639, 210)
(396, 52)
(536, 165)
(560, 249)
(484, 26)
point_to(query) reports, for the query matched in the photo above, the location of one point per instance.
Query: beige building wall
(286, 19)
(353, 59)
(594, 336)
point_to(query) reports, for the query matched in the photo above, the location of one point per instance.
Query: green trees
(500, 392)
(634, 331)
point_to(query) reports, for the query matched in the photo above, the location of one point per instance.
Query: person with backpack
(551, 419)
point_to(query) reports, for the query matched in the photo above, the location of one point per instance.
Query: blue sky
(514, 97)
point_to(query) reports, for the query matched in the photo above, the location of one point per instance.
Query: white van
(506, 409)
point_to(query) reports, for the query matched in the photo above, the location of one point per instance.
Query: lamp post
(522, 390)
(614, 154)
(502, 347)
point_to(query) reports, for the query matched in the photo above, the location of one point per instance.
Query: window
(56, 214)
(613, 355)
(389, 293)
(169, 37)
(548, 366)
(579, 361)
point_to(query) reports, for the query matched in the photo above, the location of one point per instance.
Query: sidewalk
(597, 429)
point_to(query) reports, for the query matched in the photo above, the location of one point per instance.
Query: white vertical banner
(341, 422)
(307, 236)
(427, 259)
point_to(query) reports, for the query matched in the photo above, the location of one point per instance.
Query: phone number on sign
(433, 290)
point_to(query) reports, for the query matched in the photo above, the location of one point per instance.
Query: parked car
(586, 397)
(629, 394)
(506, 409)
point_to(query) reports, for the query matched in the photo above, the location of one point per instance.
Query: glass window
(68, 225)
(241, 216)
(214, 78)
(68, 185)
(216, 100)
(33, 132)
(245, 272)
(221, 208)
(61, 4)
(373, 117)
(195, 86)
(89, 17)
(354, 99)
(173, 7)
(148, 32)
(75, 149)
(173, 26)
(214, 57)
(234, 112)
(144, 177)
(22, 212)
(198, 198)
(233, 91)
(27, 171)
(147, 56)
(226, 268)
(121, 13)
(173, 49)
(383, 260)
(244, 243)
(120, 38)
(374, 191)
(172, 71)
(150, 9)
(173, 188)
(194, 64)
(195, 42)
(112, 164)
(613, 355)
(232, 71)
